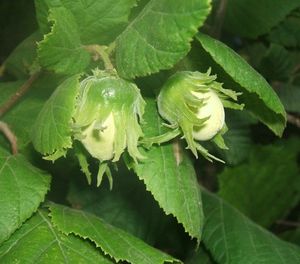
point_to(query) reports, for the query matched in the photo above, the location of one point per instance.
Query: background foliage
(170, 207)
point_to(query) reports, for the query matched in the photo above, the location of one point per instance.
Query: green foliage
(169, 175)
(232, 238)
(281, 182)
(93, 86)
(252, 84)
(40, 241)
(113, 241)
(22, 187)
(61, 49)
(252, 18)
(55, 135)
(159, 36)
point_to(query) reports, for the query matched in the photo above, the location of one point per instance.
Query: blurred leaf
(159, 36)
(21, 59)
(232, 238)
(127, 206)
(287, 33)
(113, 241)
(290, 97)
(22, 187)
(61, 49)
(292, 236)
(52, 129)
(270, 176)
(237, 138)
(99, 22)
(200, 256)
(38, 241)
(169, 175)
(258, 96)
(252, 18)
(277, 64)
(21, 117)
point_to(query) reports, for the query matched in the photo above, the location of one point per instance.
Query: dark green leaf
(38, 241)
(287, 33)
(159, 36)
(19, 62)
(232, 238)
(52, 129)
(61, 49)
(270, 176)
(258, 95)
(113, 241)
(169, 175)
(22, 187)
(251, 18)
(237, 138)
(21, 117)
(200, 256)
(292, 235)
(127, 206)
(277, 63)
(99, 22)
(290, 97)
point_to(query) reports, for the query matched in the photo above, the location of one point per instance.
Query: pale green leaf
(252, 18)
(38, 241)
(270, 176)
(113, 241)
(22, 188)
(61, 49)
(21, 117)
(52, 129)
(99, 22)
(232, 238)
(169, 175)
(258, 96)
(159, 36)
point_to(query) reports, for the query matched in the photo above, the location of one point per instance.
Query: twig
(293, 120)
(220, 15)
(4, 128)
(103, 53)
(19, 93)
(288, 223)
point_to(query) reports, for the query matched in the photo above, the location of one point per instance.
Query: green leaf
(22, 187)
(61, 49)
(292, 236)
(21, 117)
(232, 238)
(52, 129)
(113, 241)
(258, 96)
(19, 62)
(38, 241)
(290, 97)
(252, 18)
(255, 186)
(98, 22)
(159, 36)
(169, 175)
